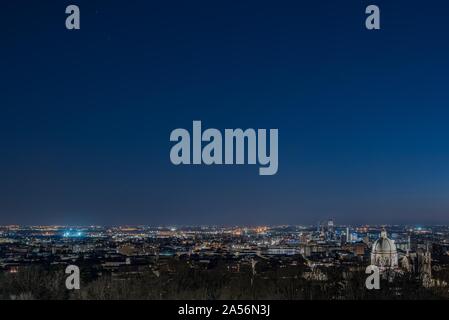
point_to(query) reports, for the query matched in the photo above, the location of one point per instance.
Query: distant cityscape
(324, 261)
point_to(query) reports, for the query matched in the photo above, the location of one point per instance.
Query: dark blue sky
(86, 115)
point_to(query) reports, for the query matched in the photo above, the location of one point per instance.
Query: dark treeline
(182, 281)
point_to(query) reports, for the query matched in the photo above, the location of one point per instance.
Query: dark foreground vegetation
(180, 280)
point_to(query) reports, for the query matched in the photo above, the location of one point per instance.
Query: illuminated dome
(384, 254)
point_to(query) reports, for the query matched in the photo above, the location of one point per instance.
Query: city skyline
(326, 261)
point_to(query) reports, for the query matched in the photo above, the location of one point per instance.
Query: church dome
(383, 244)
(384, 253)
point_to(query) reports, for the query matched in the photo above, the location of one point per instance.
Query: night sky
(86, 115)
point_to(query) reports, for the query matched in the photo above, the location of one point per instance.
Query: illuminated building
(384, 254)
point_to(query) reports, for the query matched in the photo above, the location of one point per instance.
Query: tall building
(329, 230)
(330, 225)
(425, 267)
